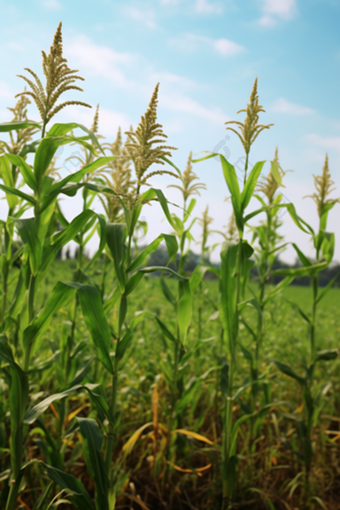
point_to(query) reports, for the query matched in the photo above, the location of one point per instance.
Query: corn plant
(270, 246)
(323, 242)
(77, 385)
(39, 251)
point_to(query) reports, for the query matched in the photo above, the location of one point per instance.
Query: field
(130, 384)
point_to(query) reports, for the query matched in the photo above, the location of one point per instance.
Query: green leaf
(28, 232)
(297, 220)
(275, 173)
(164, 205)
(172, 246)
(16, 192)
(250, 185)
(34, 412)
(172, 164)
(40, 502)
(166, 332)
(287, 370)
(96, 323)
(102, 240)
(18, 398)
(197, 276)
(115, 234)
(5, 127)
(246, 353)
(327, 355)
(327, 288)
(75, 177)
(305, 260)
(153, 269)
(25, 169)
(284, 283)
(61, 129)
(92, 442)
(328, 245)
(80, 497)
(47, 149)
(184, 309)
(225, 379)
(301, 271)
(228, 305)
(65, 236)
(189, 209)
(59, 297)
(167, 292)
(7, 177)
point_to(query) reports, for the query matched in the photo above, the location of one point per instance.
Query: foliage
(119, 388)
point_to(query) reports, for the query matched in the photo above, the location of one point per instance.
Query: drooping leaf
(80, 497)
(25, 169)
(92, 441)
(5, 127)
(287, 370)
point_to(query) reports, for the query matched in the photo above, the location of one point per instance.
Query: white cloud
(207, 7)
(5, 91)
(100, 60)
(109, 120)
(185, 104)
(276, 10)
(191, 42)
(54, 5)
(267, 21)
(145, 16)
(281, 105)
(326, 142)
(227, 48)
(169, 80)
(281, 8)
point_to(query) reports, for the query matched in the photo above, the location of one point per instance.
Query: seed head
(323, 185)
(205, 222)
(23, 136)
(59, 79)
(187, 178)
(118, 177)
(142, 144)
(95, 123)
(269, 184)
(232, 232)
(250, 128)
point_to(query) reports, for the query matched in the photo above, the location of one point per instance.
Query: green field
(144, 366)
(125, 383)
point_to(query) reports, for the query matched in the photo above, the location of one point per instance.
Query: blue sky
(206, 55)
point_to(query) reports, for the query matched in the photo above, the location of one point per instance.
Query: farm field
(277, 466)
(131, 384)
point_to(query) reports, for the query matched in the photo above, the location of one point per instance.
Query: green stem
(246, 169)
(110, 442)
(13, 494)
(31, 292)
(228, 405)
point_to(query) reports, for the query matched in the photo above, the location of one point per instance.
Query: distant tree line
(160, 258)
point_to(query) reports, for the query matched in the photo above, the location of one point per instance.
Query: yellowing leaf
(129, 445)
(74, 413)
(192, 434)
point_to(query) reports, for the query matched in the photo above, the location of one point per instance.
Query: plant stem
(228, 406)
(246, 169)
(31, 292)
(110, 442)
